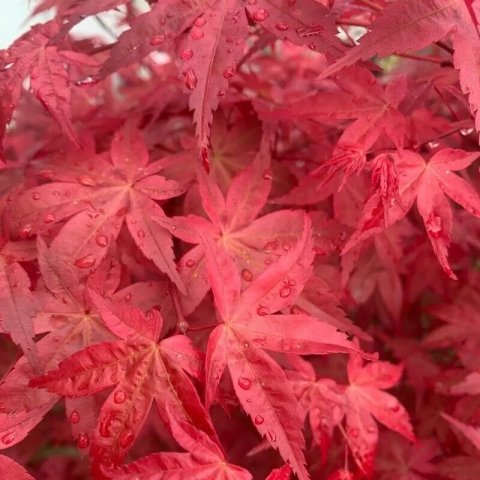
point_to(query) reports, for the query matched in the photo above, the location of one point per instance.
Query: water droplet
(433, 144)
(267, 174)
(221, 92)
(190, 263)
(285, 292)
(87, 81)
(8, 438)
(197, 34)
(292, 283)
(119, 396)
(200, 22)
(258, 419)
(190, 79)
(247, 275)
(83, 440)
(157, 39)
(26, 231)
(88, 261)
(244, 383)
(394, 406)
(186, 54)
(128, 297)
(262, 311)
(35, 195)
(86, 181)
(101, 240)
(353, 432)
(49, 218)
(371, 430)
(466, 131)
(229, 73)
(126, 438)
(141, 234)
(312, 46)
(45, 174)
(271, 436)
(282, 26)
(74, 417)
(260, 15)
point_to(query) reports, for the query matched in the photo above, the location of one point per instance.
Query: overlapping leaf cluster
(240, 241)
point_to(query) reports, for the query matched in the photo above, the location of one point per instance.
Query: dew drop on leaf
(26, 231)
(282, 26)
(247, 275)
(260, 15)
(141, 234)
(119, 396)
(49, 218)
(353, 432)
(190, 263)
(262, 311)
(267, 174)
(229, 73)
(157, 39)
(186, 54)
(8, 438)
(128, 297)
(197, 34)
(101, 240)
(74, 417)
(88, 261)
(285, 292)
(258, 419)
(45, 174)
(86, 181)
(35, 195)
(200, 22)
(244, 383)
(83, 440)
(466, 131)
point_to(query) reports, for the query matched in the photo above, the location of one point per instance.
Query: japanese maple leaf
(11, 469)
(249, 325)
(461, 328)
(282, 473)
(205, 460)
(141, 369)
(401, 460)
(365, 401)
(362, 99)
(375, 268)
(232, 223)
(470, 432)
(321, 401)
(34, 56)
(213, 43)
(97, 197)
(428, 183)
(412, 25)
(68, 321)
(18, 310)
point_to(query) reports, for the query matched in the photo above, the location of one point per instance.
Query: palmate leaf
(411, 25)
(141, 370)
(250, 325)
(121, 187)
